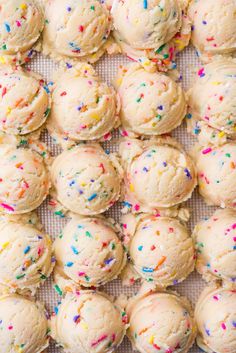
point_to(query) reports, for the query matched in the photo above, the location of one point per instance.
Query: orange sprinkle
(19, 102)
(143, 331)
(162, 260)
(232, 165)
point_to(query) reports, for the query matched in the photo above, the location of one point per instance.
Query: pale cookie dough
(76, 29)
(151, 32)
(88, 253)
(23, 325)
(25, 256)
(160, 248)
(25, 101)
(24, 180)
(213, 27)
(161, 322)
(216, 168)
(151, 103)
(215, 315)
(21, 24)
(158, 174)
(83, 106)
(88, 323)
(86, 179)
(211, 102)
(215, 242)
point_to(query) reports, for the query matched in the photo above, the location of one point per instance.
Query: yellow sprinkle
(2, 60)
(216, 83)
(95, 116)
(146, 63)
(151, 339)
(131, 188)
(84, 325)
(83, 184)
(221, 134)
(8, 110)
(23, 6)
(4, 245)
(119, 81)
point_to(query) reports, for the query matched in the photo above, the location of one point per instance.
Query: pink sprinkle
(10, 327)
(124, 225)
(7, 207)
(18, 23)
(124, 133)
(81, 274)
(113, 337)
(234, 238)
(81, 28)
(201, 72)
(95, 343)
(207, 150)
(223, 326)
(234, 226)
(136, 207)
(215, 297)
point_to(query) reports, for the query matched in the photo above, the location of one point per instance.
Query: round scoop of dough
(216, 175)
(211, 99)
(21, 25)
(25, 256)
(215, 242)
(83, 107)
(23, 326)
(85, 180)
(161, 250)
(77, 29)
(151, 103)
(215, 315)
(214, 26)
(88, 252)
(88, 323)
(158, 174)
(24, 181)
(146, 25)
(161, 322)
(25, 102)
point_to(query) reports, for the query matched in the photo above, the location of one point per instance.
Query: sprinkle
(207, 150)
(7, 27)
(160, 262)
(188, 174)
(147, 270)
(140, 248)
(88, 234)
(92, 197)
(145, 4)
(7, 207)
(223, 326)
(102, 338)
(20, 276)
(81, 28)
(69, 264)
(23, 6)
(108, 261)
(10, 327)
(76, 319)
(201, 72)
(57, 289)
(27, 249)
(75, 251)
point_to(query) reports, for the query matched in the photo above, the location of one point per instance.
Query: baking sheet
(107, 68)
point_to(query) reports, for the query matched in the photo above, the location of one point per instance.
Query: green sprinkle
(92, 8)
(58, 290)
(88, 234)
(20, 276)
(160, 49)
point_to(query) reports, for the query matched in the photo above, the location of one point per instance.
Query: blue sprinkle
(7, 27)
(56, 310)
(27, 249)
(145, 169)
(126, 204)
(72, 183)
(108, 261)
(145, 4)
(140, 248)
(46, 89)
(147, 269)
(75, 251)
(92, 197)
(69, 264)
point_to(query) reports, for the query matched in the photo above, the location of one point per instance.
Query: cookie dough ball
(24, 181)
(88, 252)
(88, 323)
(86, 180)
(161, 322)
(160, 249)
(215, 242)
(151, 103)
(84, 107)
(23, 325)
(21, 24)
(214, 27)
(158, 174)
(77, 29)
(216, 168)
(25, 256)
(211, 99)
(151, 31)
(25, 102)
(216, 320)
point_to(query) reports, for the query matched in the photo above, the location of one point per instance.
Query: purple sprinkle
(69, 9)
(108, 261)
(165, 164)
(76, 318)
(160, 107)
(187, 172)
(234, 324)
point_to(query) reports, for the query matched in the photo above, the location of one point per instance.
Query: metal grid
(107, 68)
